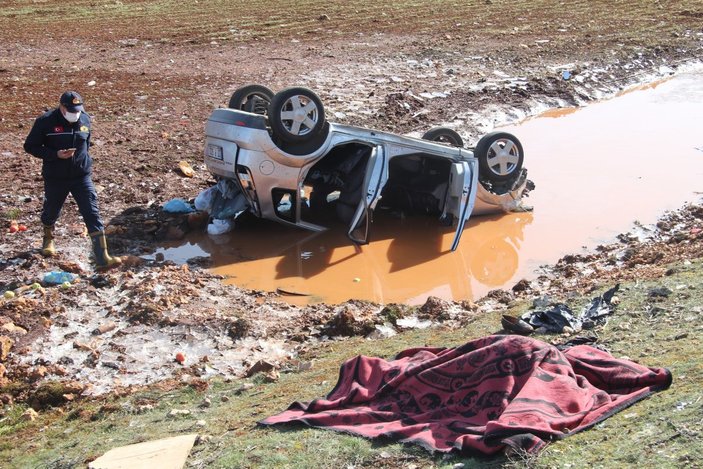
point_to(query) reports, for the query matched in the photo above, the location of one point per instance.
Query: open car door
(375, 179)
(463, 182)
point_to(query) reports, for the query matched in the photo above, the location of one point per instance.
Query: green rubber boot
(48, 248)
(103, 259)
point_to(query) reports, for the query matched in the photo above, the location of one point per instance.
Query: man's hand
(66, 154)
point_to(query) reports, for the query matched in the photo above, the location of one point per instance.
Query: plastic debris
(58, 277)
(165, 453)
(223, 200)
(560, 318)
(554, 319)
(228, 201)
(596, 313)
(204, 200)
(227, 188)
(177, 206)
(218, 227)
(566, 75)
(186, 169)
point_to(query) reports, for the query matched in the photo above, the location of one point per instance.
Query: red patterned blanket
(488, 393)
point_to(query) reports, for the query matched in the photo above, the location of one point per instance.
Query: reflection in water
(596, 170)
(406, 260)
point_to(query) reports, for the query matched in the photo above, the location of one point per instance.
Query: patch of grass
(12, 213)
(11, 423)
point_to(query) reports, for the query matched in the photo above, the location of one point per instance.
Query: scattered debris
(167, 453)
(177, 206)
(516, 325)
(559, 318)
(186, 169)
(660, 292)
(600, 308)
(58, 277)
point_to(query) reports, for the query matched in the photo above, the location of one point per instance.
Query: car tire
(251, 98)
(500, 156)
(444, 135)
(296, 115)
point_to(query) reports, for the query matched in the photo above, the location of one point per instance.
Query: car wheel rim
(299, 115)
(503, 157)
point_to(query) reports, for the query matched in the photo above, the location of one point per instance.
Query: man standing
(61, 138)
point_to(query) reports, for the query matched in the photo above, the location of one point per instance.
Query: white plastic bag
(204, 200)
(218, 226)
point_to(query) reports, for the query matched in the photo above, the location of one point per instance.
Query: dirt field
(151, 72)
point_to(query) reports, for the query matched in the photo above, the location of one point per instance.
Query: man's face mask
(71, 116)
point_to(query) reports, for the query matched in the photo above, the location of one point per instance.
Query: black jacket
(50, 133)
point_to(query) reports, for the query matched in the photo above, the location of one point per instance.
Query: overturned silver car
(293, 166)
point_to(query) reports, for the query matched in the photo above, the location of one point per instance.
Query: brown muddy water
(598, 170)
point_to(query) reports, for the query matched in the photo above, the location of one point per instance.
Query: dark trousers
(83, 192)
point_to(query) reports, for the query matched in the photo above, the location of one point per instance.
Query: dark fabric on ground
(560, 315)
(489, 393)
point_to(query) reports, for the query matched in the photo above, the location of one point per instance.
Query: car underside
(296, 168)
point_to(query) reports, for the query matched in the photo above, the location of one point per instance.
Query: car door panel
(461, 195)
(375, 178)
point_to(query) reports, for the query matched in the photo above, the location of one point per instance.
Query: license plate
(214, 151)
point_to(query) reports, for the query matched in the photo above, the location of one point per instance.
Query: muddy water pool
(597, 170)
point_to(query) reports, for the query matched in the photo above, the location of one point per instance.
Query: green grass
(12, 214)
(664, 430)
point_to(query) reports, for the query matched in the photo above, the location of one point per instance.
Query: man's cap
(72, 101)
